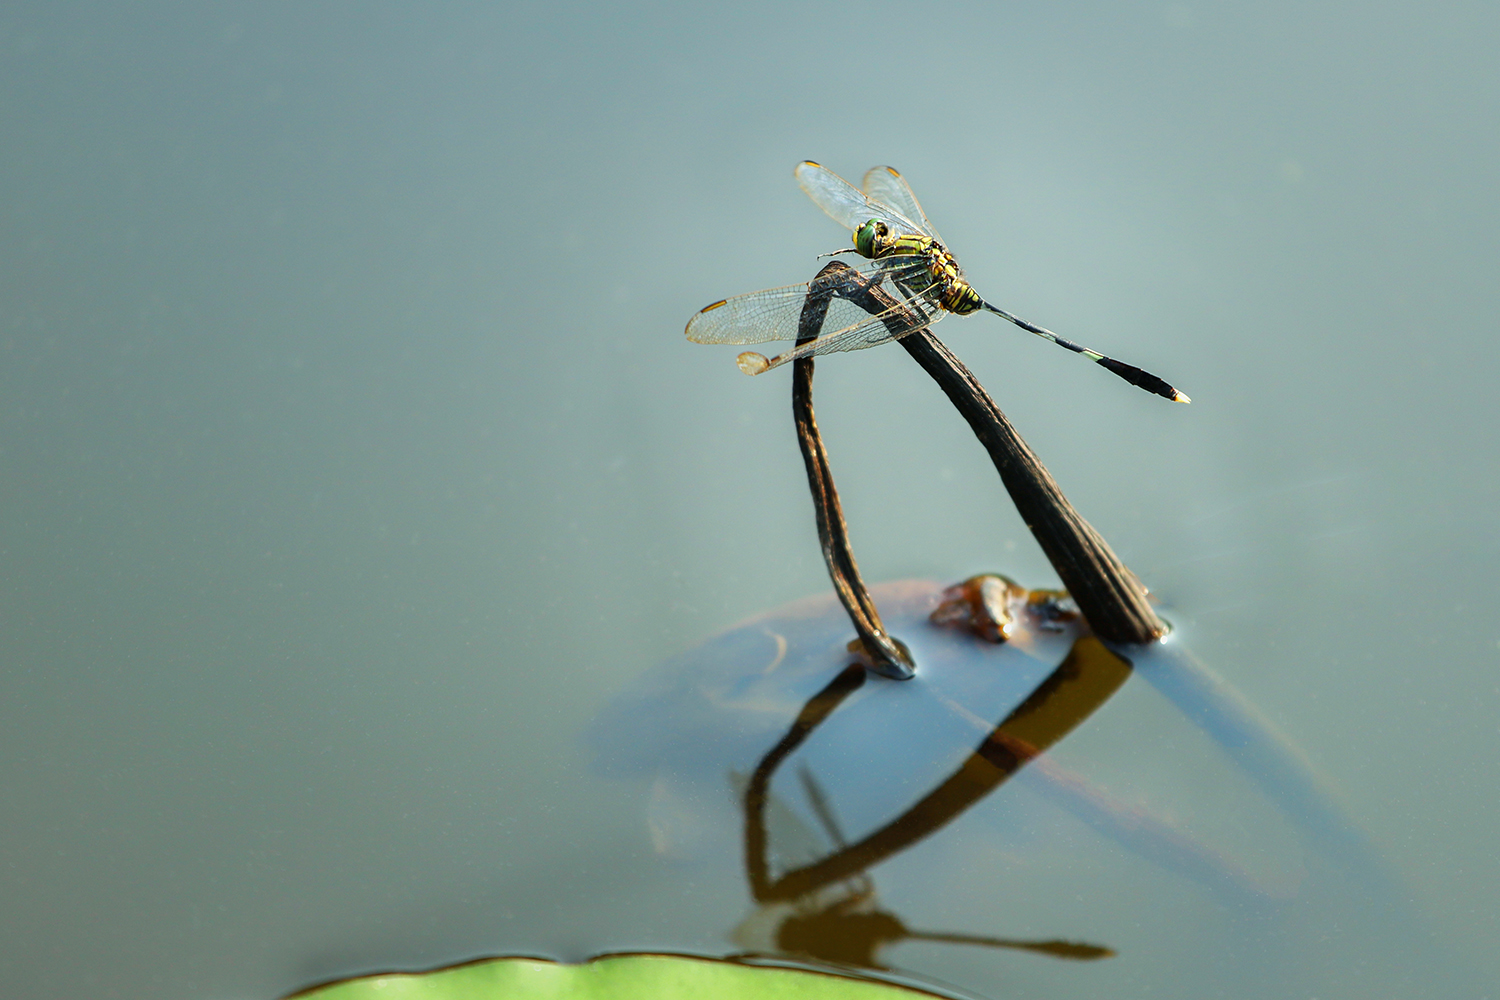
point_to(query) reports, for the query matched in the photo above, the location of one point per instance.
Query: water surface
(352, 457)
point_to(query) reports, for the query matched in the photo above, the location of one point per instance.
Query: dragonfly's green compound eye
(868, 239)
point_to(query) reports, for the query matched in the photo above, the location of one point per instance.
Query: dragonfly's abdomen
(961, 298)
(954, 293)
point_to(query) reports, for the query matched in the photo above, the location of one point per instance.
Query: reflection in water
(842, 923)
(832, 916)
(1083, 682)
(837, 771)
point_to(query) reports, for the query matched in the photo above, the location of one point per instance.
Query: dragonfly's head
(872, 239)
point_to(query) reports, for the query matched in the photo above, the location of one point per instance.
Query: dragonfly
(903, 256)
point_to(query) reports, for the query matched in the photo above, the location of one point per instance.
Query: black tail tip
(1144, 379)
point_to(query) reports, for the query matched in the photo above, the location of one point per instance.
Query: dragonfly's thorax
(875, 240)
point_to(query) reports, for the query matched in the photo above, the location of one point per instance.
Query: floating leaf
(610, 977)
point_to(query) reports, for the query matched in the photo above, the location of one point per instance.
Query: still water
(355, 470)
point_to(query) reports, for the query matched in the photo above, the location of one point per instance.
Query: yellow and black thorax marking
(875, 241)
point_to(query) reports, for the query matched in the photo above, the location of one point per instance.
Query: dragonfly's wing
(869, 331)
(847, 327)
(885, 185)
(755, 318)
(776, 313)
(848, 205)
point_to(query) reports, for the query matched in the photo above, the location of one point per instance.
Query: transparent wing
(775, 313)
(912, 315)
(755, 318)
(847, 204)
(848, 327)
(885, 185)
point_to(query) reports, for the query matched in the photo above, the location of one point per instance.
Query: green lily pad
(609, 977)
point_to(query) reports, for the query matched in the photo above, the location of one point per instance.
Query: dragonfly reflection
(843, 922)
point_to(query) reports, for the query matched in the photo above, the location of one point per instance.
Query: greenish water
(352, 457)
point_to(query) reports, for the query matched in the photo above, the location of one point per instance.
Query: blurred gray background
(351, 454)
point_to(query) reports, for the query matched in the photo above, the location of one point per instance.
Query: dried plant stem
(883, 652)
(1109, 596)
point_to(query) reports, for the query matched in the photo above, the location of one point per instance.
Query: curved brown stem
(1110, 597)
(882, 652)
